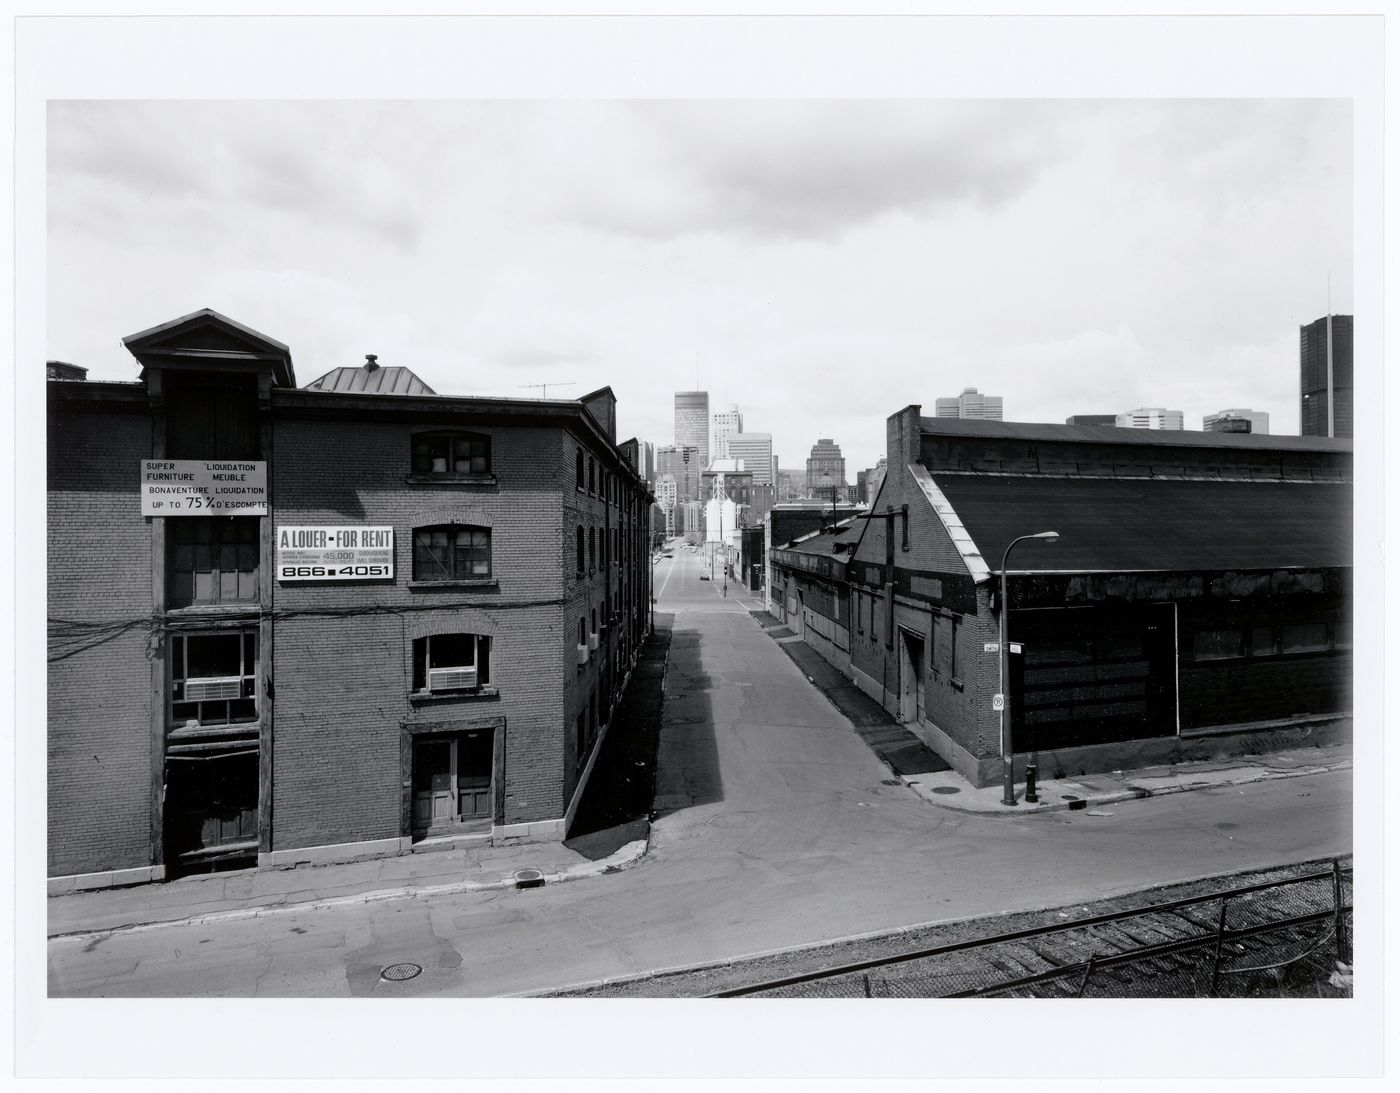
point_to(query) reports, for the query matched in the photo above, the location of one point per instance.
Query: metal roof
(1125, 525)
(823, 542)
(1113, 434)
(382, 380)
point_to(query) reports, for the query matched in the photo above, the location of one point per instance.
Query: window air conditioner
(451, 679)
(593, 640)
(206, 690)
(582, 654)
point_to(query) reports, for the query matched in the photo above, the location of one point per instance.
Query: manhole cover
(945, 789)
(398, 972)
(528, 878)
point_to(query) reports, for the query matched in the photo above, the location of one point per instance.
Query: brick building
(412, 621)
(1197, 601)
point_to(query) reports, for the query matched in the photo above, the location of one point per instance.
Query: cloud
(813, 169)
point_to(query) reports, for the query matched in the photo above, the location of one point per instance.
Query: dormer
(602, 405)
(210, 379)
(205, 341)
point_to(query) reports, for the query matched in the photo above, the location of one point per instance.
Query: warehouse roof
(1126, 525)
(1113, 434)
(370, 378)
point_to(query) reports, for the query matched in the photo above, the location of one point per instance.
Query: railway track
(1235, 940)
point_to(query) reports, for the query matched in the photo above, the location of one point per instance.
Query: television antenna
(544, 387)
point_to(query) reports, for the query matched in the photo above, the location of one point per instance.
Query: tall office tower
(724, 424)
(682, 464)
(1151, 417)
(971, 403)
(693, 423)
(1325, 346)
(826, 467)
(755, 451)
(1227, 421)
(665, 493)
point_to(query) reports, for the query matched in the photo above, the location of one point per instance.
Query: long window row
(214, 676)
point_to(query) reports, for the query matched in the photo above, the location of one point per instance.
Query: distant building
(1092, 419)
(723, 424)
(684, 465)
(1317, 415)
(826, 467)
(972, 404)
(1153, 417)
(665, 492)
(755, 452)
(790, 485)
(1228, 421)
(693, 423)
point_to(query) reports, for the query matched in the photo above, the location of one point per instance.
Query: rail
(1224, 941)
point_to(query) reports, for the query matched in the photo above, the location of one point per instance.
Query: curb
(624, 858)
(871, 935)
(1132, 793)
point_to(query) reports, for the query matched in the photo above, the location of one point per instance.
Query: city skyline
(1191, 240)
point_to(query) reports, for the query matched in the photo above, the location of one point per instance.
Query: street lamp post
(1008, 796)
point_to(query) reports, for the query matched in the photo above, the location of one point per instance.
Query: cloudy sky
(821, 263)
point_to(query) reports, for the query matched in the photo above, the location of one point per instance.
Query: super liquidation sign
(197, 487)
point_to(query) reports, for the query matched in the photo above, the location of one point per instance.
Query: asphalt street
(775, 827)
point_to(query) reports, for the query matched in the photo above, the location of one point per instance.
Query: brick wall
(343, 682)
(99, 698)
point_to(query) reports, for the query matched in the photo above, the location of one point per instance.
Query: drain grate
(528, 878)
(891, 782)
(397, 973)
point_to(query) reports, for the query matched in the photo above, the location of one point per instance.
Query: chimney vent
(371, 362)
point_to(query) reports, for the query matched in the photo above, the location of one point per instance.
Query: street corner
(625, 857)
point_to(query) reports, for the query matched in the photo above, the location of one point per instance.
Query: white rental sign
(198, 487)
(335, 553)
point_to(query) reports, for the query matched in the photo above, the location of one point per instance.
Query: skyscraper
(1319, 416)
(682, 464)
(971, 403)
(755, 451)
(826, 467)
(1152, 417)
(1219, 422)
(693, 423)
(723, 425)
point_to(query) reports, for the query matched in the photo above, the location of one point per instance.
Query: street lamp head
(1048, 536)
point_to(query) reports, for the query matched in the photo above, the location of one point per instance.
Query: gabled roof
(1152, 525)
(206, 339)
(380, 380)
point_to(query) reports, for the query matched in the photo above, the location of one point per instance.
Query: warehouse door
(452, 780)
(1092, 675)
(911, 677)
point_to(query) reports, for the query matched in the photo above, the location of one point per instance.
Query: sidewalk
(1093, 791)
(253, 892)
(931, 778)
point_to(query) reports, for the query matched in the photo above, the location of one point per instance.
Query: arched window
(591, 482)
(579, 548)
(451, 552)
(592, 549)
(578, 469)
